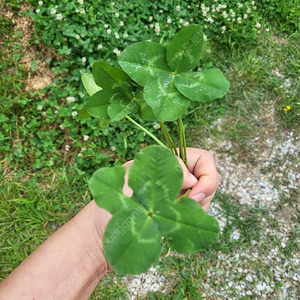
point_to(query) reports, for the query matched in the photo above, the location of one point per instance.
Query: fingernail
(193, 178)
(198, 197)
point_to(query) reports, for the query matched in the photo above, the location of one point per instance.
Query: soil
(42, 75)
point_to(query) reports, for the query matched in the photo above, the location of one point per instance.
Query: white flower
(37, 10)
(117, 35)
(204, 37)
(156, 126)
(39, 107)
(53, 11)
(258, 25)
(83, 59)
(267, 29)
(151, 19)
(108, 31)
(77, 36)
(67, 147)
(125, 35)
(74, 113)
(40, 3)
(79, 154)
(22, 118)
(223, 29)
(70, 99)
(248, 10)
(245, 16)
(178, 8)
(224, 14)
(254, 7)
(44, 114)
(99, 47)
(210, 20)
(180, 21)
(77, 10)
(169, 20)
(80, 2)
(239, 20)
(86, 137)
(59, 17)
(61, 127)
(186, 23)
(56, 111)
(117, 52)
(121, 23)
(105, 25)
(117, 15)
(112, 4)
(82, 11)
(113, 148)
(240, 5)
(252, 2)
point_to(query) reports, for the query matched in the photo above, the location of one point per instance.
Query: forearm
(67, 266)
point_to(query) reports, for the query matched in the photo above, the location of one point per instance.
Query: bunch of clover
(157, 83)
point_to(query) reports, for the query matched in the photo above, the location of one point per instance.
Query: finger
(202, 164)
(127, 191)
(189, 180)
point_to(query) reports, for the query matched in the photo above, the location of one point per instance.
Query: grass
(37, 198)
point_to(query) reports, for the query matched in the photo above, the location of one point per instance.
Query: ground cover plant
(261, 111)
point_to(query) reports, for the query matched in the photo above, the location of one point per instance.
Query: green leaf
(106, 186)
(143, 60)
(164, 99)
(89, 84)
(186, 226)
(145, 111)
(132, 242)
(120, 108)
(98, 104)
(202, 86)
(83, 113)
(104, 123)
(184, 51)
(162, 180)
(109, 77)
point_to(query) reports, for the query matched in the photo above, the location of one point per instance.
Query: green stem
(182, 141)
(146, 131)
(168, 137)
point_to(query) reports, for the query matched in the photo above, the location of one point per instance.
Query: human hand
(200, 176)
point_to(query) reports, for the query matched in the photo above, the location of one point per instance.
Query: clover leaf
(166, 74)
(132, 240)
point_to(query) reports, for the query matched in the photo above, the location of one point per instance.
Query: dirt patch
(280, 40)
(35, 56)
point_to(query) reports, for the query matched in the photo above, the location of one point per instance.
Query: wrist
(90, 227)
